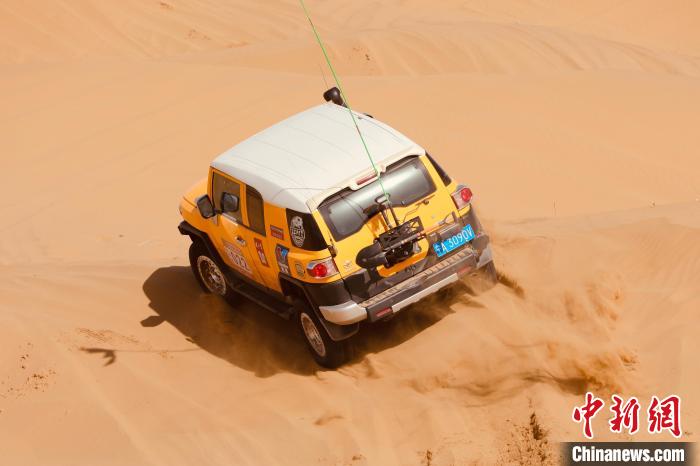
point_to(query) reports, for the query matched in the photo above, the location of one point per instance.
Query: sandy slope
(574, 122)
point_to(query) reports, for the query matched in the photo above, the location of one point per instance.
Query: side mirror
(206, 208)
(229, 203)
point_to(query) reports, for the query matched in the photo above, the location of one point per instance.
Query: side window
(304, 231)
(256, 211)
(221, 185)
(443, 175)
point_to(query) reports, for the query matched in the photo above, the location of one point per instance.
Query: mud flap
(335, 332)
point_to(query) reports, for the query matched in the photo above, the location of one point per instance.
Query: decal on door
(296, 229)
(261, 251)
(237, 258)
(282, 256)
(276, 232)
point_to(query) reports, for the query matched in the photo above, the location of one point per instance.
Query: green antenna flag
(343, 95)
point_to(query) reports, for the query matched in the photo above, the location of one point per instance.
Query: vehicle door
(231, 238)
(257, 240)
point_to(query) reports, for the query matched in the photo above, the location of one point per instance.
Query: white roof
(300, 161)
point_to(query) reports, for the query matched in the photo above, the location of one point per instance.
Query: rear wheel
(326, 352)
(208, 273)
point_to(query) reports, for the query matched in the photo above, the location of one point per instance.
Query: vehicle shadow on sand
(257, 340)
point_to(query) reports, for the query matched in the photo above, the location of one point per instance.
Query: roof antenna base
(333, 95)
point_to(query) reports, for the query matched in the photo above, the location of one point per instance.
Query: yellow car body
(263, 228)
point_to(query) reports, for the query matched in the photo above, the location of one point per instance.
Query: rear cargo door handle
(241, 242)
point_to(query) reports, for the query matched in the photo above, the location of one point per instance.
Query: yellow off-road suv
(298, 219)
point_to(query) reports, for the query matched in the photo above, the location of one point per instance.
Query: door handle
(240, 241)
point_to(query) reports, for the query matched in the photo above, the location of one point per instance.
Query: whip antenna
(344, 97)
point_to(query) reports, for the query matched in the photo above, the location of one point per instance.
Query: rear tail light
(322, 268)
(462, 196)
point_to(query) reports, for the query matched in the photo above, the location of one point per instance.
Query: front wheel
(326, 352)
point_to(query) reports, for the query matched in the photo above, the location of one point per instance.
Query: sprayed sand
(575, 123)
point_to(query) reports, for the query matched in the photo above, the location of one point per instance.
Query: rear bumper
(345, 313)
(412, 290)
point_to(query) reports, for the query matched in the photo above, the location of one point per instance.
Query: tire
(326, 352)
(208, 273)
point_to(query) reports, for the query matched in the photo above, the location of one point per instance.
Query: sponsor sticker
(261, 252)
(237, 258)
(299, 268)
(282, 256)
(277, 232)
(296, 229)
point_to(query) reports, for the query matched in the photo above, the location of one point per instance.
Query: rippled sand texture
(575, 124)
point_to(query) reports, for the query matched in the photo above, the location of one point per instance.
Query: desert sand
(575, 123)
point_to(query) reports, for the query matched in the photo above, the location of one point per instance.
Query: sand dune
(575, 123)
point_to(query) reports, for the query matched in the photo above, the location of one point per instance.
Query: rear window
(406, 182)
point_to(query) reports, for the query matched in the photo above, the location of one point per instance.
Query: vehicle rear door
(256, 238)
(419, 195)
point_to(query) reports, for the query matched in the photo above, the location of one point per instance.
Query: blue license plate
(458, 240)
